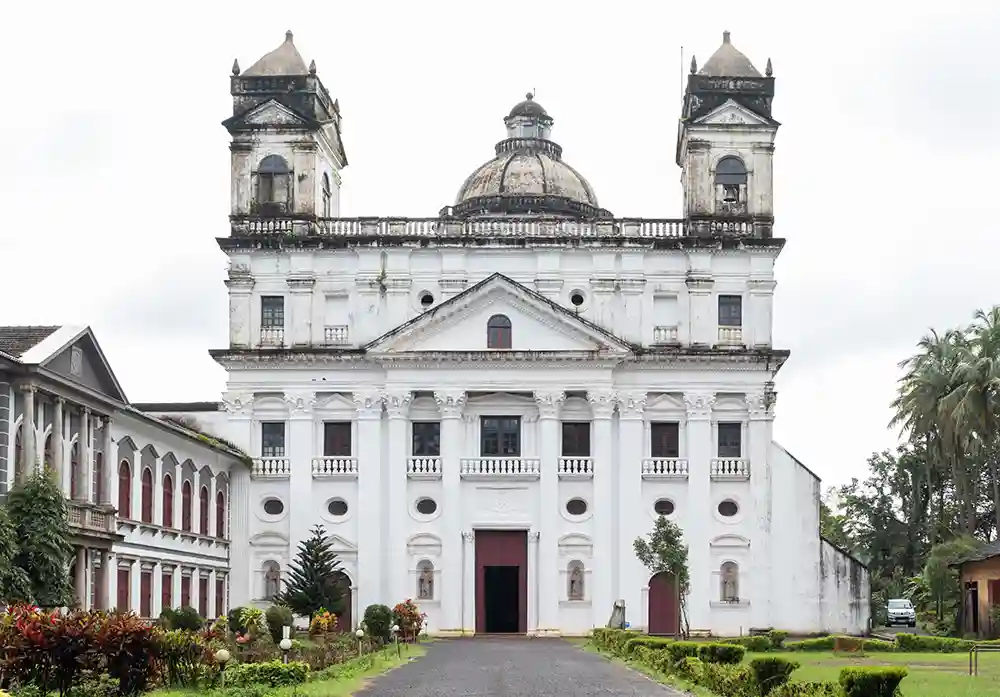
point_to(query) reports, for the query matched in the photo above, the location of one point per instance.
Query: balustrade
(336, 335)
(730, 468)
(664, 468)
(501, 467)
(665, 334)
(334, 467)
(423, 468)
(90, 518)
(272, 336)
(576, 467)
(271, 468)
(730, 335)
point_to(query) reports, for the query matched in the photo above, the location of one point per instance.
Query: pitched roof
(17, 340)
(986, 552)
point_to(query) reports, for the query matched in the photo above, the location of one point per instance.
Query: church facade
(485, 408)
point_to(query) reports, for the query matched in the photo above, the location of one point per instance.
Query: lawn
(930, 674)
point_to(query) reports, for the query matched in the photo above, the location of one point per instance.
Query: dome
(282, 61)
(727, 61)
(527, 176)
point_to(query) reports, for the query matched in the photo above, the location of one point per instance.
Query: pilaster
(632, 517)
(301, 289)
(450, 405)
(239, 544)
(632, 289)
(371, 536)
(546, 569)
(398, 298)
(83, 481)
(760, 408)
(602, 405)
(703, 325)
(157, 589)
(534, 573)
(110, 463)
(396, 561)
(698, 523)
(27, 435)
(57, 439)
(468, 594)
(80, 578)
(299, 446)
(240, 284)
(761, 302)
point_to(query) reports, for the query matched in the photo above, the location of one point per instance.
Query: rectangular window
(500, 436)
(272, 312)
(146, 594)
(185, 591)
(576, 439)
(124, 589)
(427, 438)
(730, 311)
(220, 597)
(731, 439)
(337, 439)
(664, 439)
(272, 439)
(203, 596)
(167, 590)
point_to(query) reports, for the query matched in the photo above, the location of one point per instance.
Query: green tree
(314, 581)
(37, 512)
(664, 550)
(14, 583)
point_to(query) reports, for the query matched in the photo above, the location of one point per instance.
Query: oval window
(728, 508)
(337, 507)
(427, 506)
(274, 507)
(576, 297)
(576, 506)
(664, 507)
(426, 299)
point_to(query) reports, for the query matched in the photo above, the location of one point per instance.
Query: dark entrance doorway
(345, 622)
(501, 581)
(664, 605)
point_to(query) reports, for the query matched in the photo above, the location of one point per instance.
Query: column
(533, 582)
(57, 440)
(195, 587)
(213, 490)
(240, 285)
(450, 404)
(178, 495)
(602, 405)
(703, 324)
(103, 580)
(82, 492)
(110, 466)
(760, 410)
(240, 589)
(468, 594)
(80, 578)
(547, 569)
(212, 610)
(135, 578)
(156, 606)
(28, 434)
(370, 533)
(632, 516)
(699, 515)
(112, 581)
(300, 447)
(177, 580)
(396, 561)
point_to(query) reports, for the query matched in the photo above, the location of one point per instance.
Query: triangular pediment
(270, 113)
(77, 357)
(731, 113)
(537, 325)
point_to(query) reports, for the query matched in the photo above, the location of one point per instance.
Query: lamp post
(286, 642)
(395, 635)
(360, 634)
(222, 657)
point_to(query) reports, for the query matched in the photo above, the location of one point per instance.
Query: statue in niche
(425, 584)
(272, 580)
(576, 583)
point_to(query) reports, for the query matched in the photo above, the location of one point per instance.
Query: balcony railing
(423, 468)
(272, 336)
(730, 336)
(334, 466)
(665, 334)
(730, 468)
(664, 468)
(576, 467)
(89, 517)
(271, 468)
(500, 467)
(336, 335)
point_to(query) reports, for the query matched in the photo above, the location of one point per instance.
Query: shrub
(819, 644)
(131, 649)
(808, 689)
(272, 673)
(182, 655)
(650, 642)
(252, 619)
(757, 644)
(378, 622)
(721, 653)
(877, 645)
(278, 617)
(727, 680)
(871, 682)
(777, 637)
(770, 672)
(679, 650)
(689, 669)
(186, 618)
(95, 685)
(934, 644)
(409, 618)
(236, 625)
(323, 622)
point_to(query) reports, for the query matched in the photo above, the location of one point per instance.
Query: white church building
(486, 408)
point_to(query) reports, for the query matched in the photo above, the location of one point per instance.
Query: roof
(185, 430)
(282, 61)
(529, 107)
(986, 552)
(16, 340)
(727, 61)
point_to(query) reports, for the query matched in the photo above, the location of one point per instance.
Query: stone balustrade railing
(271, 468)
(423, 467)
(731, 335)
(576, 467)
(334, 466)
(336, 335)
(737, 468)
(501, 467)
(90, 517)
(664, 468)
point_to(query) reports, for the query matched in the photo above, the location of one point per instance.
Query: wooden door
(502, 548)
(664, 605)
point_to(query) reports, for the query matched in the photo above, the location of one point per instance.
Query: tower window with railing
(426, 438)
(730, 439)
(274, 185)
(272, 312)
(664, 439)
(576, 439)
(730, 311)
(337, 439)
(731, 186)
(272, 439)
(500, 436)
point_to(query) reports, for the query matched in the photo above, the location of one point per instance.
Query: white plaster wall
(845, 592)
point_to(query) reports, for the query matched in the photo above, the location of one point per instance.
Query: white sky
(116, 176)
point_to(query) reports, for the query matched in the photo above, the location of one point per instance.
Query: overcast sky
(116, 176)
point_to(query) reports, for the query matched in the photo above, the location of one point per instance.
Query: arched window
(274, 179)
(168, 501)
(124, 489)
(730, 181)
(574, 581)
(97, 487)
(74, 471)
(147, 495)
(18, 455)
(498, 332)
(186, 506)
(729, 582)
(327, 195)
(425, 580)
(220, 515)
(272, 579)
(203, 512)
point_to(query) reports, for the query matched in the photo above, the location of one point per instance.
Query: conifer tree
(13, 581)
(314, 578)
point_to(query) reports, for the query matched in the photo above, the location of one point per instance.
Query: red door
(146, 594)
(664, 605)
(501, 549)
(124, 588)
(345, 621)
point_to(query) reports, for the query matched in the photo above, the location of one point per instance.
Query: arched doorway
(345, 620)
(664, 605)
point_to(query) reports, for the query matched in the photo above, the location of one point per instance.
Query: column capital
(85, 410)
(29, 388)
(300, 404)
(760, 404)
(549, 403)
(238, 402)
(602, 403)
(469, 537)
(59, 401)
(450, 402)
(632, 404)
(397, 403)
(533, 535)
(368, 403)
(699, 405)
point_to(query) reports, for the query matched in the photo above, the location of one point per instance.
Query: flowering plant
(323, 622)
(409, 618)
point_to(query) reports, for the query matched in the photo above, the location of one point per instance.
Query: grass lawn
(344, 686)
(930, 674)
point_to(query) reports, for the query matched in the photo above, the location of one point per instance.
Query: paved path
(515, 667)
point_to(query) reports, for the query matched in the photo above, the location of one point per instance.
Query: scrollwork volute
(368, 403)
(759, 404)
(632, 404)
(602, 403)
(397, 402)
(549, 403)
(699, 404)
(238, 402)
(300, 403)
(450, 402)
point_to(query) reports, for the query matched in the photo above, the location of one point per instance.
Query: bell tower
(725, 145)
(287, 152)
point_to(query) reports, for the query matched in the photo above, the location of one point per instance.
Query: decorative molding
(761, 286)
(397, 403)
(632, 404)
(301, 283)
(632, 286)
(368, 403)
(549, 403)
(300, 403)
(758, 406)
(533, 535)
(699, 404)
(450, 402)
(602, 403)
(238, 402)
(469, 537)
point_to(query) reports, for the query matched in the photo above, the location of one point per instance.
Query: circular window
(576, 506)
(577, 298)
(274, 507)
(426, 299)
(728, 508)
(427, 506)
(664, 507)
(337, 508)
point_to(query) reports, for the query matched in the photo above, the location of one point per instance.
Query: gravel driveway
(515, 667)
